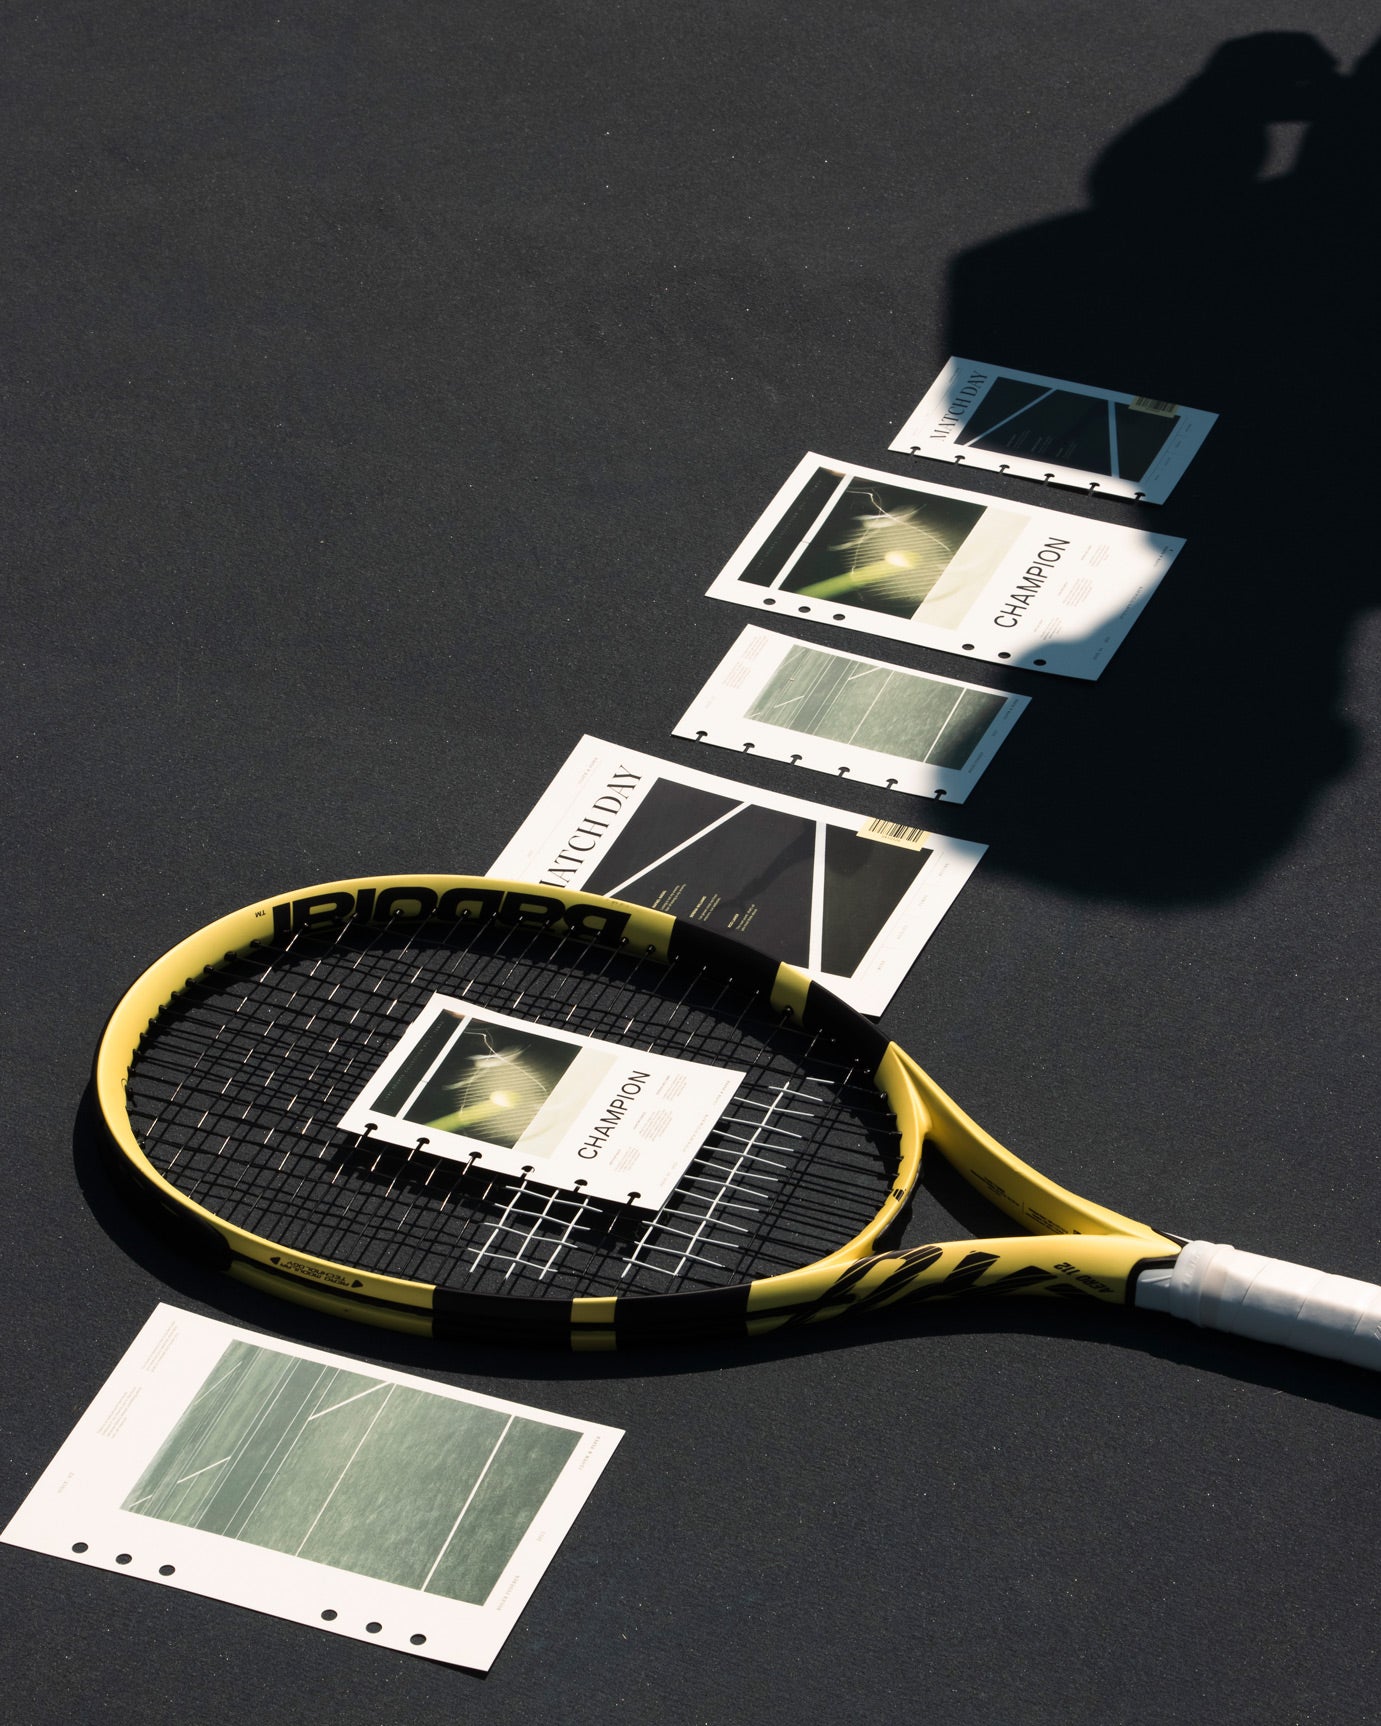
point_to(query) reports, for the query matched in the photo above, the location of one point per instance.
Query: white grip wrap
(1270, 1300)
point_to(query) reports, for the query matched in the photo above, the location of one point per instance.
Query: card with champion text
(981, 577)
(850, 717)
(1047, 429)
(548, 1105)
(848, 898)
(344, 1496)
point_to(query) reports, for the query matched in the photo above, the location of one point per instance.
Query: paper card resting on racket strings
(315, 1488)
(565, 1110)
(978, 576)
(850, 899)
(851, 717)
(1048, 429)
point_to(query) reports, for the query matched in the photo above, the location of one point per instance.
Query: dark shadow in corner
(1195, 761)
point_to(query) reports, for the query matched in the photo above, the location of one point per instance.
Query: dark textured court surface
(383, 387)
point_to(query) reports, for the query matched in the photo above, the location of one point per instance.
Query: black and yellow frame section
(1087, 1250)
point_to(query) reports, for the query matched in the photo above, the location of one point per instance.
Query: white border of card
(455, 1501)
(850, 716)
(800, 876)
(1142, 445)
(913, 561)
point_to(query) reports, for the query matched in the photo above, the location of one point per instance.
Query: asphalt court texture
(385, 385)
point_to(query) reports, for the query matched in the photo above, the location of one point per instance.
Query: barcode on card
(1145, 405)
(893, 833)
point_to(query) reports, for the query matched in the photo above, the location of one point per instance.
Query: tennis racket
(225, 1072)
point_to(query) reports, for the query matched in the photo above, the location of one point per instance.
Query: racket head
(224, 1071)
(200, 1095)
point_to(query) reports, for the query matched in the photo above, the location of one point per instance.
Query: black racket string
(723, 1196)
(517, 1217)
(236, 1090)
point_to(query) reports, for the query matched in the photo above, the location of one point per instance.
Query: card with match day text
(850, 898)
(315, 1488)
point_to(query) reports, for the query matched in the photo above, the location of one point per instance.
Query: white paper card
(848, 899)
(1047, 429)
(851, 717)
(557, 1108)
(978, 576)
(316, 1488)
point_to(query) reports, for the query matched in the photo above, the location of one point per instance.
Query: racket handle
(1270, 1300)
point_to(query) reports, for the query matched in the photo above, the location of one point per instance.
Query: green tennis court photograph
(878, 707)
(355, 1472)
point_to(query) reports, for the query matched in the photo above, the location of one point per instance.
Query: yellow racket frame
(1087, 1249)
